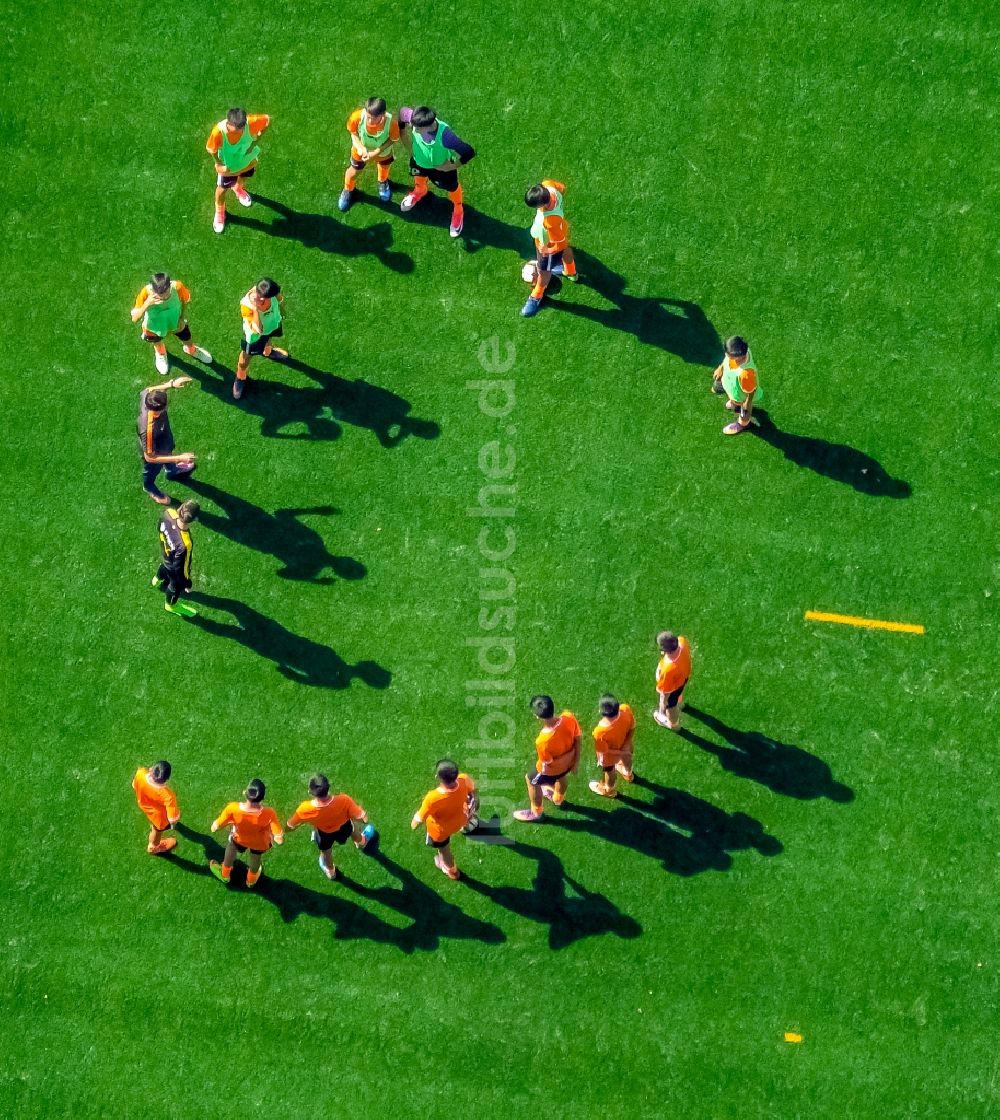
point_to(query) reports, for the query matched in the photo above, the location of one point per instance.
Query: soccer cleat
(384, 191)
(717, 388)
(163, 847)
(253, 877)
(661, 719)
(558, 798)
(344, 202)
(527, 815)
(161, 361)
(451, 872)
(238, 387)
(201, 354)
(185, 610)
(160, 499)
(156, 582)
(571, 277)
(734, 428)
(531, 306)
(602, 790)
(457, 222)
(329, 872)
(220, 872)
(624, 773)
(219, 224)
(242, 197)
(410, 200)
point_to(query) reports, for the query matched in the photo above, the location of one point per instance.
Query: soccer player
(254, 827)
(158, 801)
(161, 306)
(156, 440)
(444, 811)
(233, 146)
(334, 820)
(262, 309)
(672, 673)
(558, 750)
(374, 134)
(436, 153)
(176, 546)
(613, 742)
(736, 378)
(551, 233)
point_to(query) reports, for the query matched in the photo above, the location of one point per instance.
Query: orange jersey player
(444, 811)
(157, 800)
(613, 742)
(550, 231)
(233, 146)
(736, 378)
(334, 820)
(254, 827)
(374, 134)
(262, 312)
(673, 672)
(162, 307)
(558, 749)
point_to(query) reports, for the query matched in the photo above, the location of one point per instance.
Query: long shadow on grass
(570, 917)
(281, 534)
(327, 233)
(686, 834)
(833, 460)
(299, 659)
(781, 767)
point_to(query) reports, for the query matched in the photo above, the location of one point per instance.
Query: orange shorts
(157, 817)
(609, 759)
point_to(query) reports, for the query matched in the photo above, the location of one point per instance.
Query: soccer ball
(529, 272)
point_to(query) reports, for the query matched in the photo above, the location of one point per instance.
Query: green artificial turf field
(815, 853)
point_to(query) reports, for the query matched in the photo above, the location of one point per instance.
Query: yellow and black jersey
(175, 544)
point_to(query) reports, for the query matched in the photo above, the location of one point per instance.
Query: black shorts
(549, 262)
(230, 180)
(255, 349)
(674, 697)
(325, 840)
(360, 165)
(183, 333)
(436, 843)
(241, 848)
(547, 779)
(443, 180)
(173, 582)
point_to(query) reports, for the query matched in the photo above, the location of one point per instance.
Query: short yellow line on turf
(867, 623)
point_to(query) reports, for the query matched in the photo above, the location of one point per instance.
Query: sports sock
(160, 347)
(456, 197)
(537, 291)
(350, 178)
(383, 172)
(569, 267)
(420, 185)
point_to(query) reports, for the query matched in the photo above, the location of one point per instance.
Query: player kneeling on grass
(233, 146)
(176, 547)
(736, 378)
(613, 742)
(254, 827)
(551, 233)
(334, 820)
(445, 810)
(558, 749)
(161, 305)
(262, 311)
(158, 801)
(673, 671)
(374, 133)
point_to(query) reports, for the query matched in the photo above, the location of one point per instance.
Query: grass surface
(815, 854)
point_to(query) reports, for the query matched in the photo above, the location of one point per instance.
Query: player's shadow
(686, 834)
(833, 460)
(781, 767)
(557, 900)
(326, 233)
(299, 659)
(281, 534)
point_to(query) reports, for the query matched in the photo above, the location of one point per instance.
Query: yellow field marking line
(867, 623)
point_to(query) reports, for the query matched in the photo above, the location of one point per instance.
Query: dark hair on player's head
(423, 117)
(319, 785)
(447, 772)
(256, 791)
(737, 347)
(237, 117)
(542, 706)
(536, 195)
(375, 106)
(267, 288)
(667, 641)
(160, 771)
(156, 399)
(189, 510)
(160, 283)
(608, 705)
